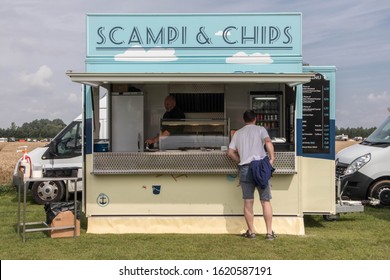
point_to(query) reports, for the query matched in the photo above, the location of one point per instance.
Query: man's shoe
(271, 236)
(249, 234)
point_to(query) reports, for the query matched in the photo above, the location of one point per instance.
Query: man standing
(247, 145)
(172, 112)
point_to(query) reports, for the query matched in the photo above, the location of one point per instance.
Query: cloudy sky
(42, 39)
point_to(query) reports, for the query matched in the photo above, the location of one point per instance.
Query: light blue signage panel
(174, 40)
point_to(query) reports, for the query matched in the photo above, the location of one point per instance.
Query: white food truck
(216, 66)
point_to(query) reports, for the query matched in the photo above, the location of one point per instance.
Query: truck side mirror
(51, 151)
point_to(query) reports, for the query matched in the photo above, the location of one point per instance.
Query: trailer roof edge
(98, 79)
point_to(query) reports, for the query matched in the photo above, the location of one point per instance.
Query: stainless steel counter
(179, 162)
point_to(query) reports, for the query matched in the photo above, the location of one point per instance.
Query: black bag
(52, 209)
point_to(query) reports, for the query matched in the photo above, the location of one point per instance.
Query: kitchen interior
(213, 113)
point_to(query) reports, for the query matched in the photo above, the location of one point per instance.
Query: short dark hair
(249, 116)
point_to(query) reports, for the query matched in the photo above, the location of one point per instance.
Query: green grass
(354, 236)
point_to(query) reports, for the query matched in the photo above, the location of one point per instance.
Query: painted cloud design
(219, 33)
(138, 53)
(255, 58)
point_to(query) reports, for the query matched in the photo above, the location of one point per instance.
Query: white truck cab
(364, 168)
(62, 157)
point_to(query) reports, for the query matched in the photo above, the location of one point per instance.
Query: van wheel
(48, 191)
(381, 190)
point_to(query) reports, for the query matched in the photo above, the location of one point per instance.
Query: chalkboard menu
(315, 116)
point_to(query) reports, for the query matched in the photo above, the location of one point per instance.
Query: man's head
(169, 103)
(249, 116)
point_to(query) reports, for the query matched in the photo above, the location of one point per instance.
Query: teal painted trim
(88, 102)
(88, 127)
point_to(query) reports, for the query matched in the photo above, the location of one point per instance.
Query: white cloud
(379, 97)
(74, 98)
(255, 58)
(40, 78)
(138, 53)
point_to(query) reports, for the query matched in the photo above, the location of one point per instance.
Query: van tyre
(381, 190)
(48, 191)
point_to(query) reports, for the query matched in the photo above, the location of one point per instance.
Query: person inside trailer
(172, 112)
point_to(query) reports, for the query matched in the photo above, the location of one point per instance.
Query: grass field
(354, 236)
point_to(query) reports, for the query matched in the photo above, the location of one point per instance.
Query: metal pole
(24, 209)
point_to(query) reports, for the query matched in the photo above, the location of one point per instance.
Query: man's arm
(270, 150)
(233, 154)
(162, 135)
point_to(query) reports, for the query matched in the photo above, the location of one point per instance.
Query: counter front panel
(179, 162)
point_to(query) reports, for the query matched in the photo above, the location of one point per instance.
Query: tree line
(355, 132)
(38, 129)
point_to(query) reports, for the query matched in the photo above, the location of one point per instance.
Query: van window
(381, 134)
(69, 143)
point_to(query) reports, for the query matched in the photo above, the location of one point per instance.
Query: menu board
(316, 116)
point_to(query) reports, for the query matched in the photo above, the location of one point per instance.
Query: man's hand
(233, 154)
(150, 141)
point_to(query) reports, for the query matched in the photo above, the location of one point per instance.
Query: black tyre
(48, 191)
(381, 190)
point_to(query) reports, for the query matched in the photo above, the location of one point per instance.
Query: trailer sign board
(187, 43)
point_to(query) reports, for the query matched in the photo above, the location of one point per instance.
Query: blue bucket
(100, 147)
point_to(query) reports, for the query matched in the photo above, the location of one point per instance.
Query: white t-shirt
(249, 142)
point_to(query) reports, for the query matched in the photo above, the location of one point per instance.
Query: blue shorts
(248, 186)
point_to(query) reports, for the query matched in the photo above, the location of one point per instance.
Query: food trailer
(216, 66)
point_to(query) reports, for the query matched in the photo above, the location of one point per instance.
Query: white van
(364, 168)
(62, 157)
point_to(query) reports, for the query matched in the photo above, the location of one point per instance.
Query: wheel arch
(387, 177)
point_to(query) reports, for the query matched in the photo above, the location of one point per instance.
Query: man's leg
(248, 214)
(267, 214)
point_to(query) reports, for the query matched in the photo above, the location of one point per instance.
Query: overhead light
(266, 98)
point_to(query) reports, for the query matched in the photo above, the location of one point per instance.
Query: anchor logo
(102, 200)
